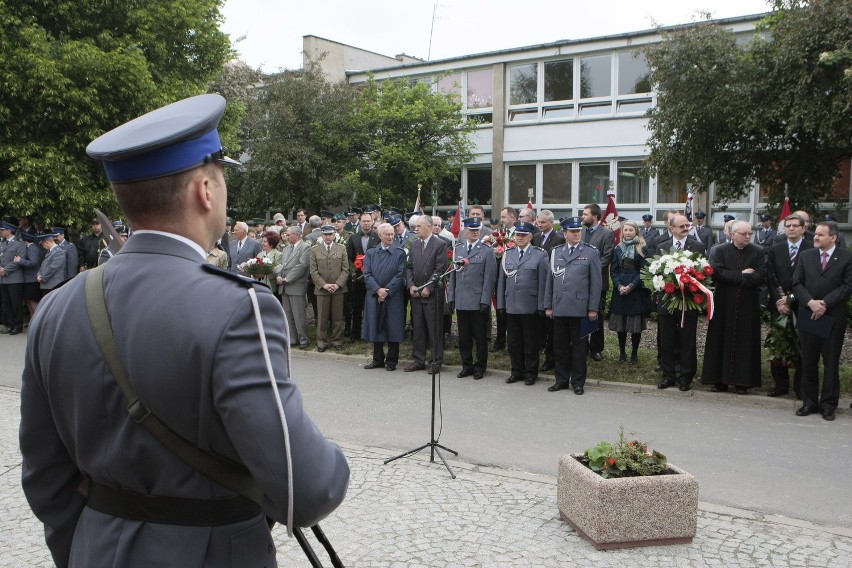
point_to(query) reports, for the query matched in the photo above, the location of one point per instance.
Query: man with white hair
(242, 248)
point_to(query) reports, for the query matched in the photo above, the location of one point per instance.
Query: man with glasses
(732, 353)
(521, 283)
(678, 359)
(781, 261)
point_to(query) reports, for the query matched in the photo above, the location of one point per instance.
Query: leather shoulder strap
(224, 472)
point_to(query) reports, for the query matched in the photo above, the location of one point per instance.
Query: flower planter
(627, 511)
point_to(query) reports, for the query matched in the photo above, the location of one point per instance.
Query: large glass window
(633, 187)
(556, 180)
(633, 74)
(594, 181)
(480, 89)
(479, 186)
(521, 179)
(671, 190)
(595, 77)
(450, 84)
(523, 84)
(559, 80)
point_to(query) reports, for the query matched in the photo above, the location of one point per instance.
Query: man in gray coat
(72, 257)
(12, 250)
(572, 297)
(521, 283)
(242, 248)
(52, 271)
(108, 492)
(292, 280)
(470, 293)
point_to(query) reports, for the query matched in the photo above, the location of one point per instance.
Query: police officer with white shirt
(521, 282)
(470, 292)
(572, 296)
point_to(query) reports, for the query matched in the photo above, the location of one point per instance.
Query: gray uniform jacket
(521, 283)
(205, 380)
(474, 284)
(705, 235)
(14, 271)
(52, 269)
(32, 262)
(649, 234)
(294, 267)
(251, 248)
(574, 286)
(72, 259)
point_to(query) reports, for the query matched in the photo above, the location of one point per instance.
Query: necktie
(824, 260)
(522, 255)
(677, 244)
(544, 239)
(239, 246)
(423, 246)
(793, 251)
(570, 251)
(328, 248)
(468, 248)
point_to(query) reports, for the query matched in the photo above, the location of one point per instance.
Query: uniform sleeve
(245, 402)
(490, 277)
(543, 276)
(501, 288)
(49, 477)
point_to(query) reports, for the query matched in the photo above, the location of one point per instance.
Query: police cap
(524, 228)
(571, 223)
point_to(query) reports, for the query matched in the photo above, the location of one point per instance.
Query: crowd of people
(373, 276)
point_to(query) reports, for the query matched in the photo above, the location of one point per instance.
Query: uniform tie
(570, 251)
(824, 260)
(522, 255)
(468, 248)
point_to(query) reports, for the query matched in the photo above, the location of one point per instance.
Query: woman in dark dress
(631, 301)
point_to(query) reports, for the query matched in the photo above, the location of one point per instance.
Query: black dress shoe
(374, 365)
(477, 376)
(414, 367)
(622, 358)
(320, 349)
(529, 382)
(547, 367)
(513, 379)
(719, 388)
(464, 374)
(665, 384)
(578, 390)
(390, 367)
(597, 356)
(806, 411)
(554, 388)
(684, 388)
(15, 331)
(828, 415)
(634, 359)
(776, 392)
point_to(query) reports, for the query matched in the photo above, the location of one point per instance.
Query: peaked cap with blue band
(172, 139)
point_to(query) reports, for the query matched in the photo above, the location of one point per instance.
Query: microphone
(461, 263)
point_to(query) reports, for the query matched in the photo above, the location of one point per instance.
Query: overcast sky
(273, 29)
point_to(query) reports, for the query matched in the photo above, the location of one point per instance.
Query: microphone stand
(433, 444)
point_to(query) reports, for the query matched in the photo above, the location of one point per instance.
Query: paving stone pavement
(410, 514)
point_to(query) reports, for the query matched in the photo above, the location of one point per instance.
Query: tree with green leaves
(71, 70)
(777, 109)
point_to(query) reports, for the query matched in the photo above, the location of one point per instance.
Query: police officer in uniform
(108, 492)
(12, 250)
(470, 293)
(521, 283)
(72, 257)
(765, 236)
(51, 273)
(702, 232)
(648, 230)
(572, 294)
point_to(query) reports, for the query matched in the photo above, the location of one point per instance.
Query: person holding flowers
(269, 251)
(732, 351)
(631, 301)
(676, 323)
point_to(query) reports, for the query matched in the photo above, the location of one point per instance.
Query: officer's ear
(204, 188)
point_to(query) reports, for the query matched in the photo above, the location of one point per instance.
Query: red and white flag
(455, 228)
(611, 220)
(785, 212)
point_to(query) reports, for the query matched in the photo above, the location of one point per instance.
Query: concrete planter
(627, 511)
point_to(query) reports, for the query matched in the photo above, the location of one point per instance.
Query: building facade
(560, 124)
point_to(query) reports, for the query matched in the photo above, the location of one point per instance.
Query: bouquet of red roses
(682, 280)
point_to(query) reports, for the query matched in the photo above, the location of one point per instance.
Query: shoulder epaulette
(559, 246)
(539, 248)
(247, 282)
(591, 245)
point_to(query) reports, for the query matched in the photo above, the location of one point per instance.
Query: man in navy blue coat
(384, 306)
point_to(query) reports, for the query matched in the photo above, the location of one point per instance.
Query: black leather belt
(171, 510)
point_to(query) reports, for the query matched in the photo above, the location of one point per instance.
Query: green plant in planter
(626, 458)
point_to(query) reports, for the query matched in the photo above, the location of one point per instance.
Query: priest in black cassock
(733, 347)
(384, 306)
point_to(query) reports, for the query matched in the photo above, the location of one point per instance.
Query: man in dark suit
(677, 344)
(781, 261)
(548, 239)
(242, 248)
(428, 259)
(602, 239)
(822, 283)
(104, 487)
(359, 243)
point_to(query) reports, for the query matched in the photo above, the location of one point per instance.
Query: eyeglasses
(685, 226)
(796, 226)
(746, 233)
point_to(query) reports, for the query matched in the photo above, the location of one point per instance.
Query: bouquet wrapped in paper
(681, 281)
(258, 266)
